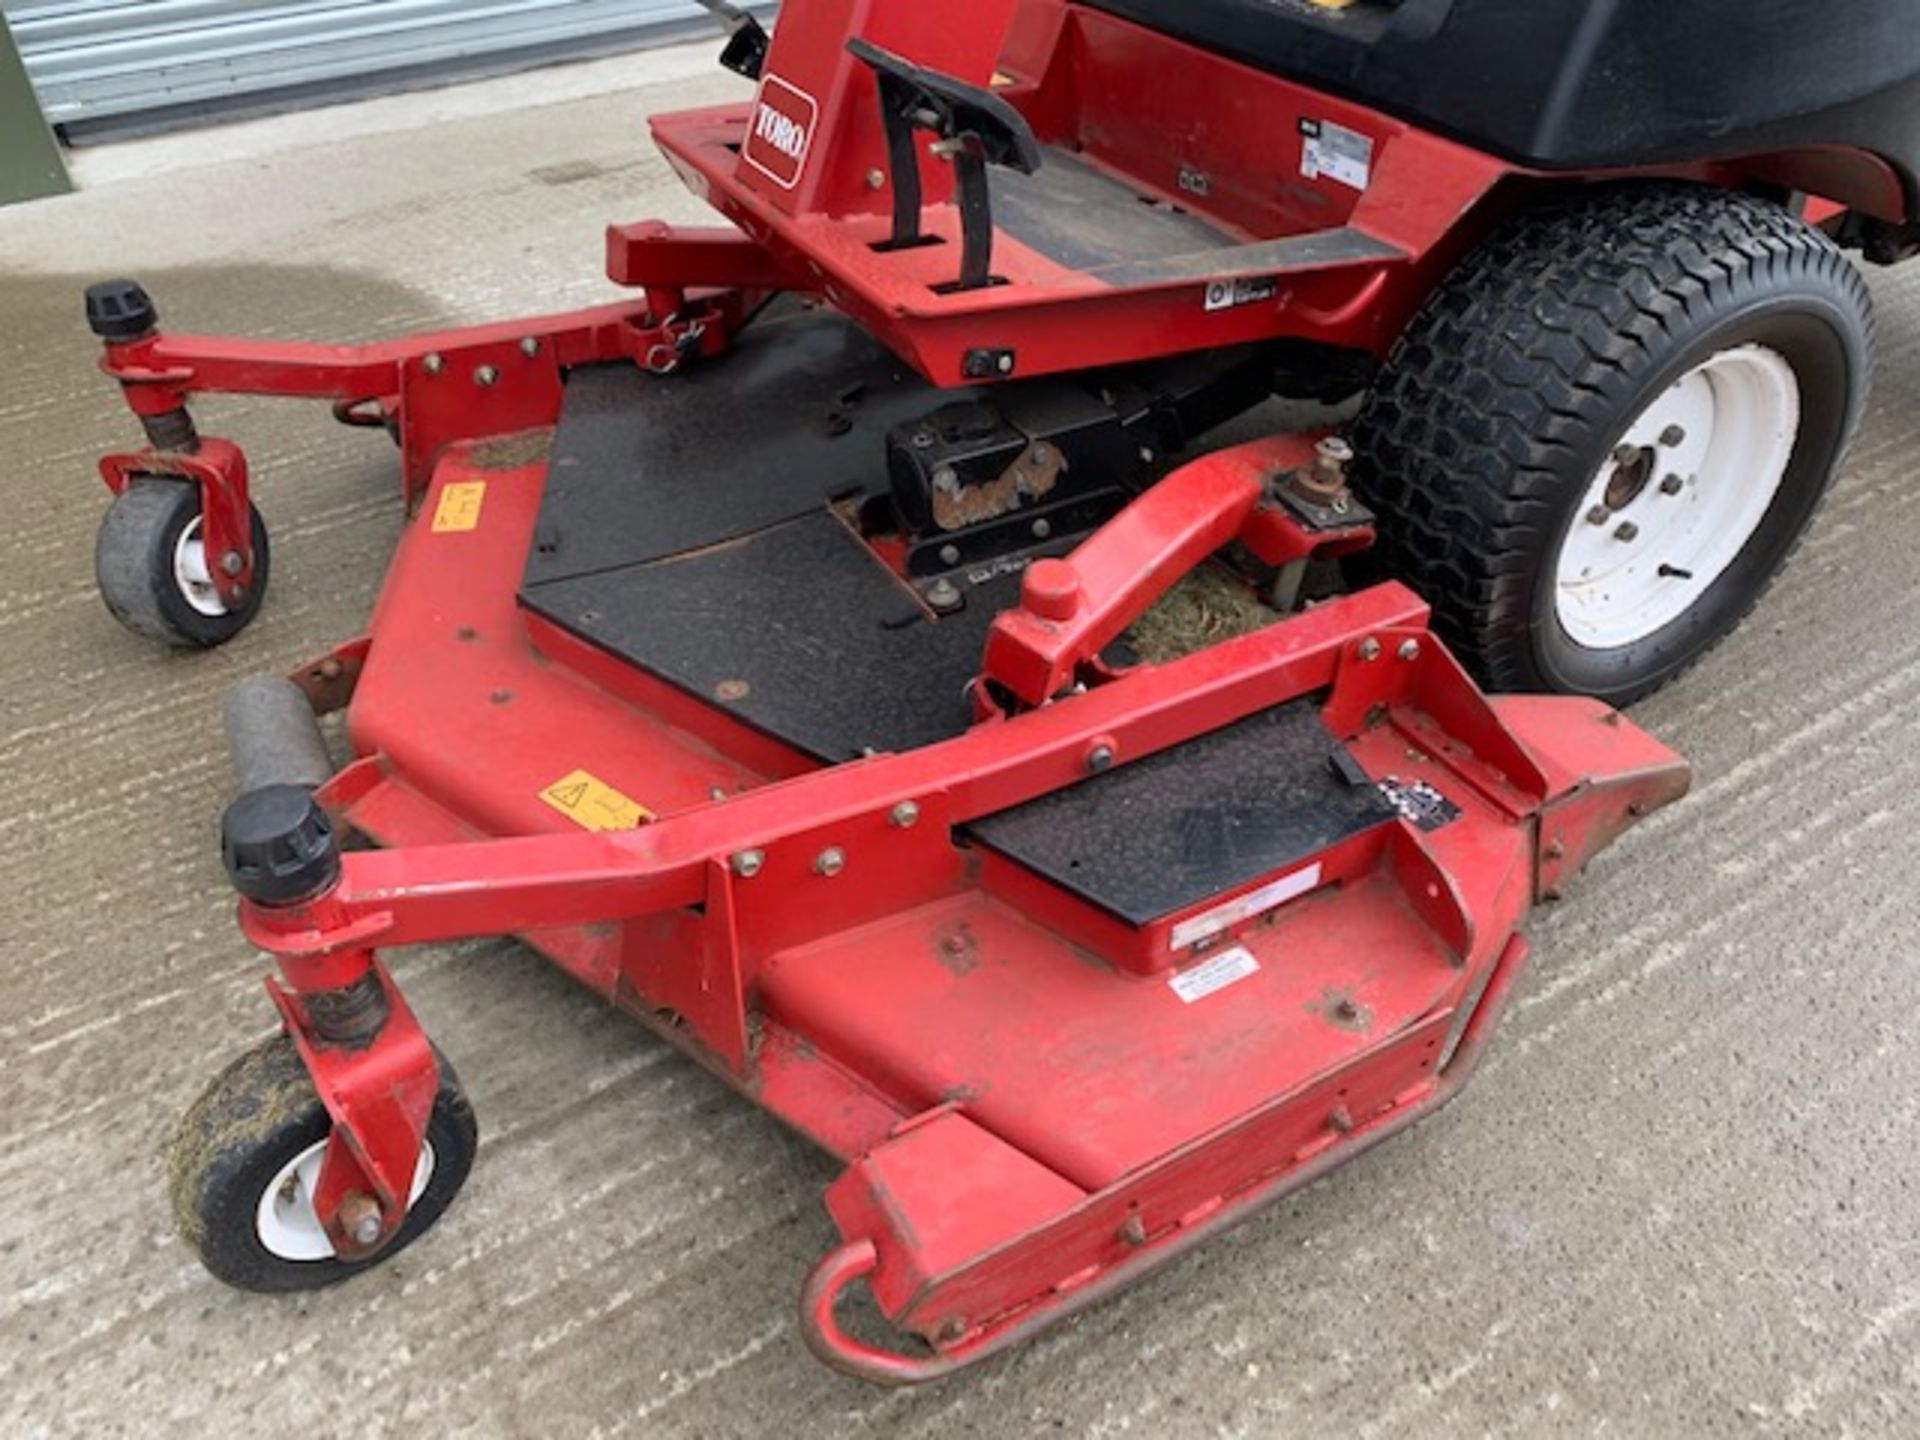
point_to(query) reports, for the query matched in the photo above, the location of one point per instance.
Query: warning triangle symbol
(569, 796)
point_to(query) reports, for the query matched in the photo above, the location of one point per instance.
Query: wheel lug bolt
(1625, 454)
(1628, 531)
(1673, 436)
(1599, 515)
(1672, 485)
(232, 563)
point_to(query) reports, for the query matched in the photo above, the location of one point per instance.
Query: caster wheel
(244, 1161)
(1604, 436)
(153, 568)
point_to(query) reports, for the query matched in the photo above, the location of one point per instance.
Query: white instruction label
(1231, 294)
(1214, 974)
(1333, 152)
(1210, 923)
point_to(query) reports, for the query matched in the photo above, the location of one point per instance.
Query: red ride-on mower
(848, 656)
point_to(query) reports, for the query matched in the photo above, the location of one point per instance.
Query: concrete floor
(1679, 1200)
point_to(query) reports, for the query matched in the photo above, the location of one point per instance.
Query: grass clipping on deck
(1206, 606)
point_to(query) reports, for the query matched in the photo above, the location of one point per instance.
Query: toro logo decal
(782, 129)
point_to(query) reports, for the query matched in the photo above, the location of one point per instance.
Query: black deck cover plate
(796, 629)
(647, 466)
(1167, 832)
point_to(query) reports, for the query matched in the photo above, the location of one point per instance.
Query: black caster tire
(153, 574)
(244, 1158)
(1605, 434)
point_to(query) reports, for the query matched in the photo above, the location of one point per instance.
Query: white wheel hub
(192, 574)
(285, 1221)
(1679, 498)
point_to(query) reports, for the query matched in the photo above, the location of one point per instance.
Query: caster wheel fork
(338, 1143)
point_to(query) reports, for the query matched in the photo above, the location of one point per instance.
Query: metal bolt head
(830, 861)
(232, 563)
(1100, 759)
(1672, 485)
(1673, 436)
(360, 1219)
(1042, 529)
(486, 375)
(876, 179)
(1628, 531)
(1409, 650)
(1006, 364)
(530, 346)
(1625, 454)
(433, 364)
(1599, 515)
(749, 863)
(905, 815)
(944, 596)
(1334, 450)
(949, 554)
(1369, 649)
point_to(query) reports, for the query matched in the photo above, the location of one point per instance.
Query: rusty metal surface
(1029, 478)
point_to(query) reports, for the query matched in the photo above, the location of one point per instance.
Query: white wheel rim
(285, 1221)
(192, 575)
(1679, 498)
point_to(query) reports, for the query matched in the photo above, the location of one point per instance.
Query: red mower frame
(731, 925)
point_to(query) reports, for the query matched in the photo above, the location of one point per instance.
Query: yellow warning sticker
(593, 804)
(459, 507)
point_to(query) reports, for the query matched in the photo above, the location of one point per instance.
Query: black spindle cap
(120, 310)
(279, 846)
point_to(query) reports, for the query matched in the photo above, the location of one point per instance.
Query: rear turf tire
(1502, 412)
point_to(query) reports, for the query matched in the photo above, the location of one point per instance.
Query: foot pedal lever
(976, 128)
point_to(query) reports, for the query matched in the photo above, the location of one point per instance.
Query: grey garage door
(117, 66)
